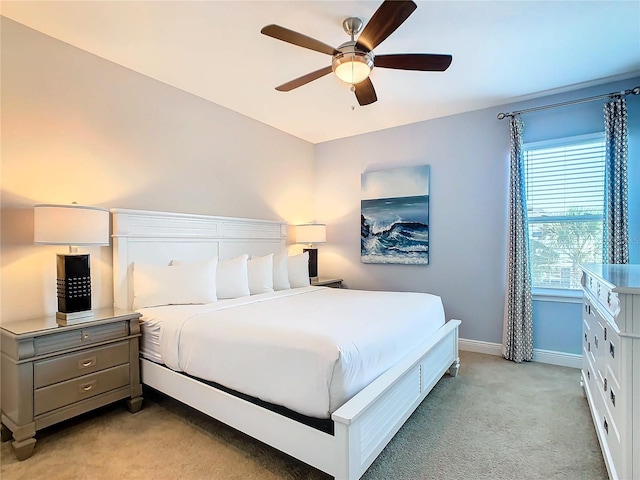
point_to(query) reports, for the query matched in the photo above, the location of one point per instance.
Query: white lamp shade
(73, 225)
(311, 233)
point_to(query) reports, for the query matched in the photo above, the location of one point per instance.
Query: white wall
(76, 127)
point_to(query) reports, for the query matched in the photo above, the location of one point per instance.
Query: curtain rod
(634, 91)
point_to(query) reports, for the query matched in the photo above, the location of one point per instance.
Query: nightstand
(327, 282)
(51, 373)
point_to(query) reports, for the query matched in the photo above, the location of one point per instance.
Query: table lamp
(312, 233)
(73, 225)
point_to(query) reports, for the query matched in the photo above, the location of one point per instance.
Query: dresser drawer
(612, 438)
(613, 352)
(59, 369)
(586, 333)
(588, 312)
(602, 292)
(604, 342)
(614, 397)
(65, 393)
(65, 340)
(589, 373)
(587, 338)
(590, 330)
(600, 345)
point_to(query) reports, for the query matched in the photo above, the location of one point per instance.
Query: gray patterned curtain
(518, 323)
(616, 219)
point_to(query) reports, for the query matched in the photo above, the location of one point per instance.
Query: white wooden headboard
(159, 237)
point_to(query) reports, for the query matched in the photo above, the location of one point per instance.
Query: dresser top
(625, 278)
(45, 325)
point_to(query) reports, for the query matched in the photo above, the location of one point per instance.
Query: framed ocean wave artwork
(394, 216)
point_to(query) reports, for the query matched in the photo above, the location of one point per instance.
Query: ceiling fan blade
(365, 93)
(426, 62)
(389, 16)
(298, 39)
(303, 80)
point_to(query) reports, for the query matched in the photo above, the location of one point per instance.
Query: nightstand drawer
(59, 369)
(57, 342)
(65, 393)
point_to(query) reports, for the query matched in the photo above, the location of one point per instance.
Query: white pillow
(298, 266)
(232, 279)
(281, 271)
(155, 285)
(260, 271)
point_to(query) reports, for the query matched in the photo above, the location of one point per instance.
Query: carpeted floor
(496, 420)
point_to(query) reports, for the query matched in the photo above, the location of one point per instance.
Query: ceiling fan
(353, 60)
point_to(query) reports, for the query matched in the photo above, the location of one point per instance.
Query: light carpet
(496, 420)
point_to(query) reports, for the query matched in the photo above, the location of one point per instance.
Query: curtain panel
(616, 216)
(518, 317)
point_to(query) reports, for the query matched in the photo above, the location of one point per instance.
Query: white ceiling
(503, 51)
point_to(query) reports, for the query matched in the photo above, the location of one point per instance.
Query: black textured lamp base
(74, 287)
(313, 262)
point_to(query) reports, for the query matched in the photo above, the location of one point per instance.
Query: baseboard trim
(480, 347)
(543, 356)
(563, 359)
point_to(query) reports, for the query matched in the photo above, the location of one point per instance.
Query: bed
(359, 410)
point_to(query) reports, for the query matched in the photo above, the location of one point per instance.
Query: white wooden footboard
(366, 424)
(363, 426)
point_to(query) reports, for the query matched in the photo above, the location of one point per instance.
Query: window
(564, 181)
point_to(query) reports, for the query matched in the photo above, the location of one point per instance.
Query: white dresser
(611, 363)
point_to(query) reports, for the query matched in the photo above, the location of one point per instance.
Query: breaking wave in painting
(395, 230)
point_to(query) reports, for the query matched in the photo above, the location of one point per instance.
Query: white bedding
(309, 349)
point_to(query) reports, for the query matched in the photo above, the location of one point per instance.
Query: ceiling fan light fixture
(352, 65)
(352, 70)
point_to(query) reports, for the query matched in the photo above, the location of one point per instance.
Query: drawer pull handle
(86, 363)
(87, 387)
(605, 334)
(595, 340)
(84, 335)
(612, 349)
(588, 346)
(606, 426)
(588, 374)
(613, 397)
(605, 384)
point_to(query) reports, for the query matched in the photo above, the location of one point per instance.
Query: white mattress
(309, 349)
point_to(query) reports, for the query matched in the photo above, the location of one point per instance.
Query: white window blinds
(564, 181)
